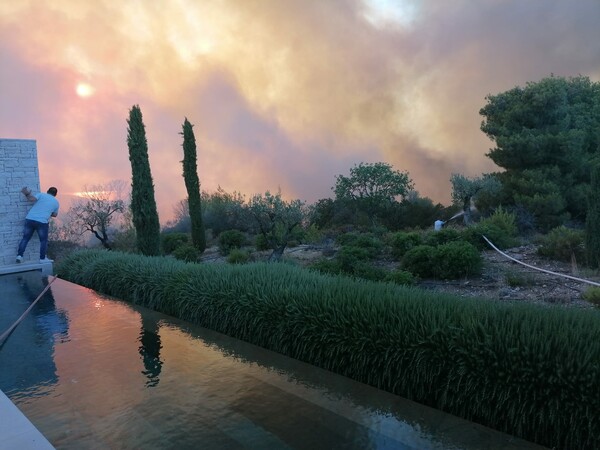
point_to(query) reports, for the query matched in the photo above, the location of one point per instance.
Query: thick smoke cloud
(283, 94)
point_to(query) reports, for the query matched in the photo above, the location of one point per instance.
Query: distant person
(438, 224)
(44, 207)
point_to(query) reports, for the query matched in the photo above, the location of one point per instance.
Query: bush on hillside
(456, 259)
(420, 261)
(187, 253)
(230, 239)
(401, 242)
(172, 241)
(562, 243)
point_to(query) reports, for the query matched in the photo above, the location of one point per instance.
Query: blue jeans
(42, 232)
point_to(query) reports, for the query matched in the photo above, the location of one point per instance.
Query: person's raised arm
(27, 193)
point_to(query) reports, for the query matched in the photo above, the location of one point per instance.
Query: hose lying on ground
(537, 268)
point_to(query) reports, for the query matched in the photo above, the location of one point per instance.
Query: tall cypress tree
(592, 223)
(192, 184)
(143, 205)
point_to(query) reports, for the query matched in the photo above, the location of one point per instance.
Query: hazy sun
(84, 90)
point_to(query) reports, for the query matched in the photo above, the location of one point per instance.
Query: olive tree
(276, 219)
(464, 191)
(97, 209)
(372, 187)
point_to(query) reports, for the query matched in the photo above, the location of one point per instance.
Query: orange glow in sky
(282, 94)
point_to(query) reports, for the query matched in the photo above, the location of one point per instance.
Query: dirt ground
(501, 279)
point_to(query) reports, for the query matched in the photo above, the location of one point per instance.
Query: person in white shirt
(44, 207)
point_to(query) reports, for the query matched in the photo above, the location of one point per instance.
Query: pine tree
(143, 204)
(192, 184)
(592, 223)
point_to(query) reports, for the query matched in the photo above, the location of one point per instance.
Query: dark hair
(52, 191)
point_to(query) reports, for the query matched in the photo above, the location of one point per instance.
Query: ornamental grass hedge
(530, 371)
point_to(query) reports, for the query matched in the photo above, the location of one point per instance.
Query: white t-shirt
(43, 208)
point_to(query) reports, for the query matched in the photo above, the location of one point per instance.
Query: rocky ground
(501, 279)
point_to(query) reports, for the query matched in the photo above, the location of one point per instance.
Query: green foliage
(443, 236)
(192, 185)
(328, 266)
(230, 239)
(562, 244)
(420, 261)
(261, 243)
(124, 240)
(143, 204)
(312, 235)
(225, 211)
(276, 219)
(366, 241)
(187, 253)
(500, 228)
(172, 241)
(447, 261)
(455, 260)
(401, 242)
(401, 277)
(465, 189)
(592, 295)
(592, 224)
(525, 370)
(550, 125)
(371, 188)
(412, 212)
(349, 256)
(238, 256)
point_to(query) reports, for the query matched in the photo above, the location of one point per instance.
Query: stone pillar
(18, 168)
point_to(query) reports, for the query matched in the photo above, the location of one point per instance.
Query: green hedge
(529, 371)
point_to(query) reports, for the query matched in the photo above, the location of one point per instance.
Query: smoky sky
(283, 95)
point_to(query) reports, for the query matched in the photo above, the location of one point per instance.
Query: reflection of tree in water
(150, 349)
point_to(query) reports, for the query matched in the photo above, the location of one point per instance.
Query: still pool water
(92, 372)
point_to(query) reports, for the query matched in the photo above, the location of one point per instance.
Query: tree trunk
(467, 211)
(277, 253)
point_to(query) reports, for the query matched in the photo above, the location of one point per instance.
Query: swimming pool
(93, 372)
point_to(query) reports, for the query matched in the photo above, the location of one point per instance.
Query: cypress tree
(143, 205)
(592, 223)
(192, 184)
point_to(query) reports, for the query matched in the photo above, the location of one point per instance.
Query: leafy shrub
(330, 266)
(561, 243)
(349, 256)
(230, 239)
(419, 260)
(368, 271)
(443, 236)
(172, 241)
(402, 242)
(500, 228)
(261, 243)
(456, 259)
(186, 252)
(238, 256)
(365, 241)
(592, 295)
(400, 277)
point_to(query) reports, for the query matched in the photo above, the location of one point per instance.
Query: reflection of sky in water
(91, 372)
(30, 347)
